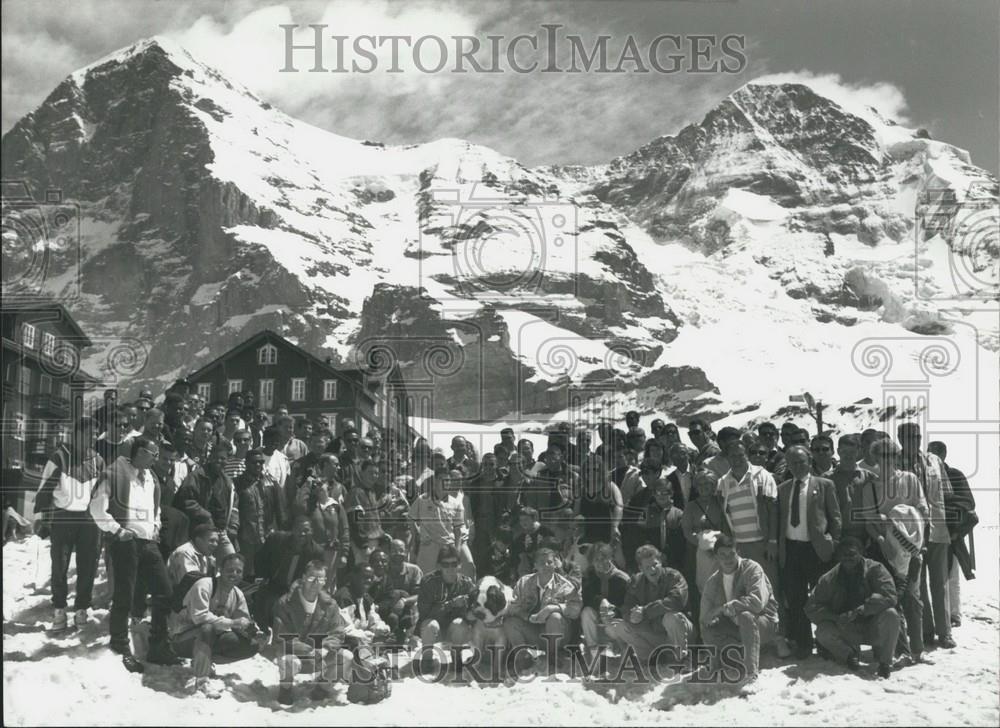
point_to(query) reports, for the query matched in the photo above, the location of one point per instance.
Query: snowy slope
(221, 215)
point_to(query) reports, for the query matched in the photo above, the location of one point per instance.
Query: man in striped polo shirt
(750, 503)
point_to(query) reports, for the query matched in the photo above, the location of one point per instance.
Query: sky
(926, 63)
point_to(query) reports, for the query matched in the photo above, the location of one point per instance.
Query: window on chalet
(18, 426)
(45, 384)
(48, 343)
(298, 389)
(64, 391)
(28, 335)
(205, 392)
(267, 354)
(235, 385)
(329, 389)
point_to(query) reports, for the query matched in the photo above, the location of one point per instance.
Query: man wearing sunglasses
(824, 462)
(307, 614)
(126, 504)
(444, 604)
(236, 463)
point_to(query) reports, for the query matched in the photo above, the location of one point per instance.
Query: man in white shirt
(808, 533)
(64, 499)
(126, 504)
(279, 470)
(196, 556)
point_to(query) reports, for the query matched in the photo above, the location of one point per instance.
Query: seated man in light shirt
(194, 559)
(215, 624)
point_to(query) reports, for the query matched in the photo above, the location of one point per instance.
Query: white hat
(905, 537)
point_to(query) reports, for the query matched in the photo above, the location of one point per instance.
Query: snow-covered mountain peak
(221, 215)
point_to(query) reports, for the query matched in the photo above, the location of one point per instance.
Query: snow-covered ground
(77, 680)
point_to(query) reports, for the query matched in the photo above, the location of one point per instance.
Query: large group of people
(232, 532)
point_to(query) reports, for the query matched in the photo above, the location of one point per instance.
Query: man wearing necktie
(809, 529)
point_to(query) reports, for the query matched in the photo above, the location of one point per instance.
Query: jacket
(669, 594)
(204, 500)
(561, 590)
(752, 592)
(826, 601)
(327, 621)
(257, 503)
(822, 516)
(435, 594)
(274, 560)
(617, 587)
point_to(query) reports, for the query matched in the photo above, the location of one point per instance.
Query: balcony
(50, 404)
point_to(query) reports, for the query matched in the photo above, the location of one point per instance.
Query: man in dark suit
(808, 532)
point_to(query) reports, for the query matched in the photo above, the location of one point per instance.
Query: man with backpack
(63, 499)
(215, 624)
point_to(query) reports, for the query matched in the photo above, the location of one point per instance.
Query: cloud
(886, 98)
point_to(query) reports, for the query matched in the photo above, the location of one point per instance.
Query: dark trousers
(130, 560)
(74, 531)
(799, 575)
(911, 639)
(173, 533)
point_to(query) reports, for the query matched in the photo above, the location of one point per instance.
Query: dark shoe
(947, 643)
(131, 664)
(163, 654)
(853, 663)
(285, 695)
(956, 621)
(883, 671)
(120, 649)
(930, 640)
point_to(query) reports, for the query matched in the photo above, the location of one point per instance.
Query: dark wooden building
(43, 388)
(279, 372)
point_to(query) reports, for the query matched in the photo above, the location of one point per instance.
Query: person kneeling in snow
(311, 633)
(444, 606)
(215, 624)
(853, 603)
(738, 607)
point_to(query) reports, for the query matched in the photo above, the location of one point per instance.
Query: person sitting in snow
(358, 606)
(654, 608)
(738, 607)
(854, 602)
(395, 588)
(310, 633)
(215, 624)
